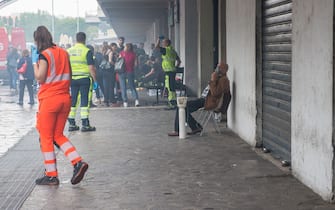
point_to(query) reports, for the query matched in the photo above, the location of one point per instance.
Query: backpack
(120, 65)
(105, 64)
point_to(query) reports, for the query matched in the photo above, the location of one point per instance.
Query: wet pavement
(16, 121)
(133, 164)
(19, 159)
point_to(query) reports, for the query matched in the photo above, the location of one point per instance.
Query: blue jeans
(109, 86)
(130, 76)
(22, 85)
(100, 90)
(13, 76)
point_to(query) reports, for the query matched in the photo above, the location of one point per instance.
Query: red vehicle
(4, 42)
(18, 39)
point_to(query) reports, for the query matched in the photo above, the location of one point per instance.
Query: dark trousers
(109, 85)
(22, 85)
(118, 91)
(191, 106)
(100, 84)
(12, 77)
(81, 86)
(172, 80)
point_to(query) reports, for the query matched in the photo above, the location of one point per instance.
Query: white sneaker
(97, 101)
(125, 104)
(137, 103)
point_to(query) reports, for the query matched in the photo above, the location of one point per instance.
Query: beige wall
(241, 58)
(312, 91)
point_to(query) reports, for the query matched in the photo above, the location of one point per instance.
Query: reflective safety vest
(169, 59)
(58, 75)
(78, 61)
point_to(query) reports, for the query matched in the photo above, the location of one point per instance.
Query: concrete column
(156, 30)
(205, 40)
(312, 91)
(222, 31)
(176, 26)
(189, 44)
(162, 26)
(151, 37)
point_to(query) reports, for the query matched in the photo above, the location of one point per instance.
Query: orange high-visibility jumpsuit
(54, 107)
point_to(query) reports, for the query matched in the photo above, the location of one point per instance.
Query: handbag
(105, 65)
(120, 65)
(23, 68)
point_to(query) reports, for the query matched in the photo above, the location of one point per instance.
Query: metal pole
(77, 16)
(52, 20)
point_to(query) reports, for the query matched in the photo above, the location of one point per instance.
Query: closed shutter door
(276, 77)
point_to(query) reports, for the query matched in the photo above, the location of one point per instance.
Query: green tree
(30, 21)
(10, 25)
(16, 21)
(92, 32)
(66, 26)
(63, 25)
(10, 21)
(4, 21)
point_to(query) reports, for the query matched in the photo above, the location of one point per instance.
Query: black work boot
(72, 126)
(47, 180)
(79, 171)
(86, 126)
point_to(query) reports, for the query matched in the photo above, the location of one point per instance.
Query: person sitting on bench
(210, 99)
(155, 72)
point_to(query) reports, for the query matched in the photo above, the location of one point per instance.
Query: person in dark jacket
(27, 78)
(12, 58)
(98, 57)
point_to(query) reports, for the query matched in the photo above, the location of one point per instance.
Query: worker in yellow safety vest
(170, 60)
(83, 79)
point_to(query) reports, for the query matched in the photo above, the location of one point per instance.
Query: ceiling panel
(133, 18)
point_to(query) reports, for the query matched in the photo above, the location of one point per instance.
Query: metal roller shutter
(276, 77)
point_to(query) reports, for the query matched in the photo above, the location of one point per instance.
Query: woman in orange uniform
(53, 72)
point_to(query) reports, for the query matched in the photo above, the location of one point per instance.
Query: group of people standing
(114, 84)
(139, 67)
